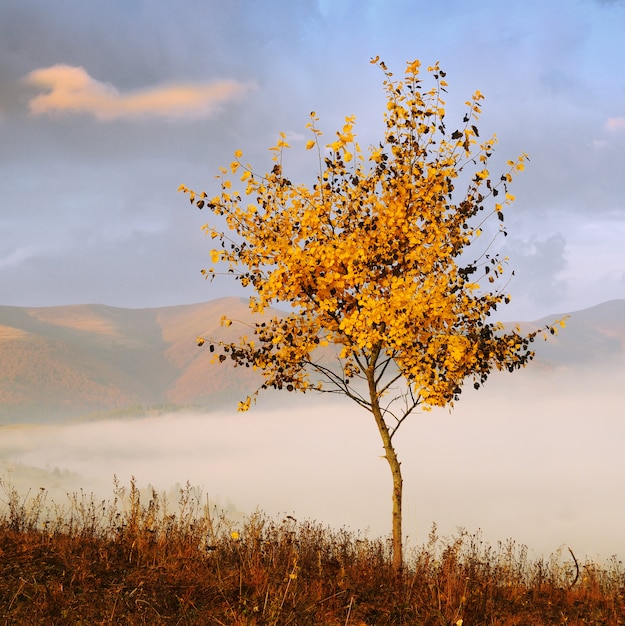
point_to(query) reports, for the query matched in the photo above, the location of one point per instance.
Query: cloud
(19, 255)
(539, 265)
(71, 90)
(615, 124)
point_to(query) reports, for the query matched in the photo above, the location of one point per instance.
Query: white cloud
(18, 256)
(615, 124)
(68, 89)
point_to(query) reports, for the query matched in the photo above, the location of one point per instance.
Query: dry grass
(132, 560)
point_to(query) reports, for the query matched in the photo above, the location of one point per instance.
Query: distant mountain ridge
(67, 361)
(596, 333)
(70, 360)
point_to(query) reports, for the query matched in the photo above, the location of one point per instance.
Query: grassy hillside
(137, 561)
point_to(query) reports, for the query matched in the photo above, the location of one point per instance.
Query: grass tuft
(137, 560)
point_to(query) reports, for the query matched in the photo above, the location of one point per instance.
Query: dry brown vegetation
(136, 560)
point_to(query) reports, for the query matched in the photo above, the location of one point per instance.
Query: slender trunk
(395, 465)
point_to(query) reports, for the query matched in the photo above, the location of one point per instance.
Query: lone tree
(381, 262)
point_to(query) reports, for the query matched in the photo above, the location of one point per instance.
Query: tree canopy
(384, 259)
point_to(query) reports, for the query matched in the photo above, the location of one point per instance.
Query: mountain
(590, 336)
(60, 362)
(71, 361)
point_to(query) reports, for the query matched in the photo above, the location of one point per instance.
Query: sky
(107, 108)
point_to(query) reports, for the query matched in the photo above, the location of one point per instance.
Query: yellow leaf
(310, 144)
(238, 154)
(215, 256)
(242, 407)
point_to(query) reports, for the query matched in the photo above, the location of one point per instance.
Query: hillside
(70, 361)
(591, 335)
(66, 361)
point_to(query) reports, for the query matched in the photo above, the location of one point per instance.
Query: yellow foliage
(392, 289)
(242, 407)
(377, 257)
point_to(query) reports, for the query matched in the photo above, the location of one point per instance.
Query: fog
(535, 456)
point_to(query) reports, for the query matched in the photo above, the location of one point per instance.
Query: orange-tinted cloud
(67, 89)
(615, 123)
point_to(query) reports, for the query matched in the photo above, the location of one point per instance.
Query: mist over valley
(89, 392)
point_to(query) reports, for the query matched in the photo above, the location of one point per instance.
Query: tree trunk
(395, 465)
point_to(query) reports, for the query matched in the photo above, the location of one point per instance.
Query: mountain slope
(60, 362)
(591, 335)
(65, 361)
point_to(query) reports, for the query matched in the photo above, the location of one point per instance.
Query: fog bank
(536, 457)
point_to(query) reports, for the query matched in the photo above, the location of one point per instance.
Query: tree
(380, 261)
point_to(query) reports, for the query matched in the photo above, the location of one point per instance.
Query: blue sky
(106, 108)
